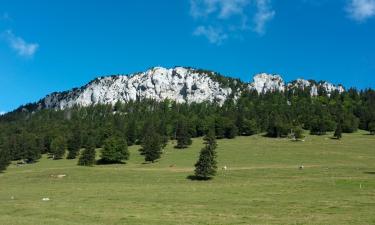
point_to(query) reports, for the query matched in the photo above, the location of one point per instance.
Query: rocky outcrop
(180, 84)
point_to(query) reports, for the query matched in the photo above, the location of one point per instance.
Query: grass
(262, 185)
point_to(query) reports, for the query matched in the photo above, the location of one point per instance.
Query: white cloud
(214, 35)
(20, 45)
(219, 20)
(2, 113)
(222, 8)
(263, 15)
(361, 10)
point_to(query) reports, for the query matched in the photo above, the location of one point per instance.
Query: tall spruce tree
(87, 158)
(206, 166)
(4, 157)
(182, 135)
(371, 128)
(338, 131)
(74, 143)
(152, 143)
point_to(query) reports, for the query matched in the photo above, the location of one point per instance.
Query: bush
(298, 133)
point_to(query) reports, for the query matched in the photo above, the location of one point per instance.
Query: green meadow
(262, 185)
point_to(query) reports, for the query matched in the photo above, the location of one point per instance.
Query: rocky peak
(266, 82)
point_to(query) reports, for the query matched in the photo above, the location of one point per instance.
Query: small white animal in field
(301, 167)
(45, 199)
(61, 176)
(225, 168)
(12, 197)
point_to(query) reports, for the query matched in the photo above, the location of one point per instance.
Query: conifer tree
(371, 128)
(74, 143)
(115, 150)
(206, 166)
(152, 144)
(182, 135)
(338, 131)
(131, 132)
(87, 157)
(4, 157)
(58, 148)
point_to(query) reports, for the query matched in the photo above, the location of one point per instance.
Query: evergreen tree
(29, 148)
(74, 144)
(371, 128)
(131, 132)
(230, 130)
(152, 144)
(338, 131)
(206, 166)
(249, 127)
(4, 157)
(182, 135)
(115, 150)
(87, 157)
(58, 148)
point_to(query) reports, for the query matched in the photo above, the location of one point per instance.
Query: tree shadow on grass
(105, 162)
(371, 173)
(193, 177)
(335, 138)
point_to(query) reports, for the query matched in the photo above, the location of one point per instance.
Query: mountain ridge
(180, 84)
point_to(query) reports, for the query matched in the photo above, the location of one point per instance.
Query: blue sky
(48, 46)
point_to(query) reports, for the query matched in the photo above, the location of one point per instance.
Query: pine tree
(115, 150)
(206, 166)
(338, 131)
(152, 144)
(371, 128)
(131, 132)
(30, 148)
(182, 135)
(87, 157)
(249, 127)
(58, 148)
(74, 143)
(4, 157)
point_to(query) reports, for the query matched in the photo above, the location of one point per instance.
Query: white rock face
(265, 82)
(179, 84)
(303, 84)
(183, 85)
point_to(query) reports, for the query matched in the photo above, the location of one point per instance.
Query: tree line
(76, 132)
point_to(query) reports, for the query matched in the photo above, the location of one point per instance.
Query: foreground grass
(262, 185)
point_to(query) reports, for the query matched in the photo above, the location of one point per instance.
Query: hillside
(262, 185)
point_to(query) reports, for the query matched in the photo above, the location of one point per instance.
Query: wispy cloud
(361, 10)
(221, 19)
(214, 35)
(263, 15)
(221, 8)
(18, 44)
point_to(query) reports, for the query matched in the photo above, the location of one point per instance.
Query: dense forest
(26, 135)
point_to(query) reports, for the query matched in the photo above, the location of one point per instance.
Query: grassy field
(262, 185)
